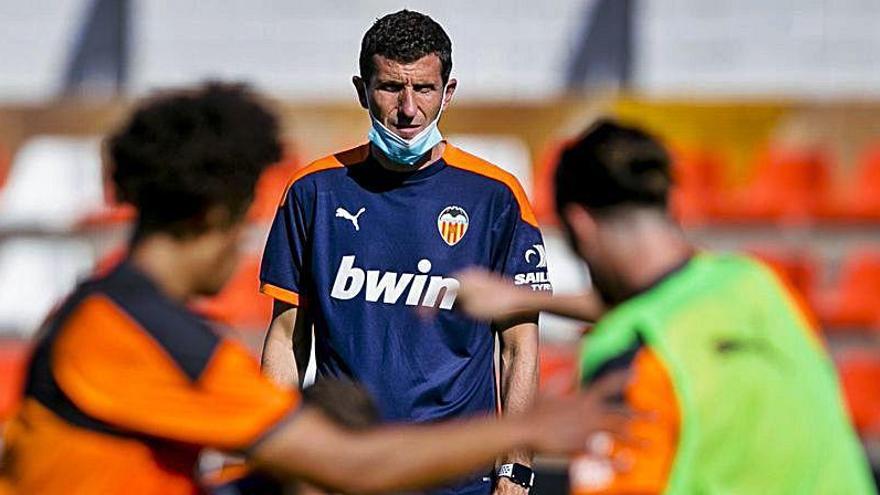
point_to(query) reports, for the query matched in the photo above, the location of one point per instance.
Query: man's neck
(429, 159)
(657, 249)
(160, 259)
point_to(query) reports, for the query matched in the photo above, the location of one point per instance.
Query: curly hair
(405, 36)
(185, 153)
(613, 166)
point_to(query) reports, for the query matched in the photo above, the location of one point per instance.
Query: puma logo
(343, 213)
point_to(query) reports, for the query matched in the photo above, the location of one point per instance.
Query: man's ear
(360, 86)
(220, 218)
(582, 225)
(451, 86)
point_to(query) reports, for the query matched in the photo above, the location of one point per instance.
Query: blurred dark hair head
(404, 37)
(185, 154)
(612, 167)
(343, 401)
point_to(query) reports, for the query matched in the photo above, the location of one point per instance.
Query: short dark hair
(405, 36)
(185, 152)
(613, 166)
(345, 402)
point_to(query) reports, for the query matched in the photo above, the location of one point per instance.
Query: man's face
(215, 255)
(587, 237)
(405, 98)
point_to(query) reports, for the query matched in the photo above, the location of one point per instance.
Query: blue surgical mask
(400, 150)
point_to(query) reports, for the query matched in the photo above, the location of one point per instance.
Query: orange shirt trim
(285, 295)
(460, 159)
(338, 160)
(642, 466)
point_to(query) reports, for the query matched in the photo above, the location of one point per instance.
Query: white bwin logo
(390, 286)
(343, 213)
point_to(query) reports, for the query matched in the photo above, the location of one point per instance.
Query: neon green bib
(761, 410)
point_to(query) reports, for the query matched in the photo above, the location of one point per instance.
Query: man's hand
(506, 487)
(563, 425)
(486, 296)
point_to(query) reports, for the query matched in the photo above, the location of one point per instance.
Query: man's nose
(407, 107)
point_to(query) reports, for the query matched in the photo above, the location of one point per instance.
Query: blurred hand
(485, 296)
(564, 426)
(506, 487)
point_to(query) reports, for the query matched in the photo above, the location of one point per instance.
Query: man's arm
(487, 296)
(519, 382)
(287, 345)
(309, 446)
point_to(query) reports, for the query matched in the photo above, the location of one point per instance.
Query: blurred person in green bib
(741, 394)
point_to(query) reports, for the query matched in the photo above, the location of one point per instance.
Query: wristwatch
(518, 473)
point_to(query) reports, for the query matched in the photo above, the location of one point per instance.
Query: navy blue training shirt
(362, 247)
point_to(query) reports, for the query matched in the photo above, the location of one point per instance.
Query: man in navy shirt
(365, 238)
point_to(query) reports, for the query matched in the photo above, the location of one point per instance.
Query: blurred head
(347, 404)
(405, 63)
(610, 183)
(188, 162)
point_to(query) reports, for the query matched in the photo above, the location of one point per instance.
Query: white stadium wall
(503, 49)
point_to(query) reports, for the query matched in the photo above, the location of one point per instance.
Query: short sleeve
(654, 431)
(526, 259)
(283, 266)
(114, 371)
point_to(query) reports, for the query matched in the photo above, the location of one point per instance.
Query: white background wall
(799, 47)
(502, 48)
(35, 36)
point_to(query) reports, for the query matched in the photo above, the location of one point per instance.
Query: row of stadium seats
(850, 302)
(787, 185)
(57, 183)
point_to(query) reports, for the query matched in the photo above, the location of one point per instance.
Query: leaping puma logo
(343, 213)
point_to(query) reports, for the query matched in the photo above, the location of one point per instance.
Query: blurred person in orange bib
(126, 385)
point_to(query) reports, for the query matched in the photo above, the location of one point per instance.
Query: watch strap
(518, 473)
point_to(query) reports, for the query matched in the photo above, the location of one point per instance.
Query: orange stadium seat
(787, 186)
(859, 200)
(854, 301)
(797, 268)
(270, 187)
(240, 304)
(5, 164)
(859, 375)
(696, 175)
(542, 195)
(111, 214)
(110, 260)
(558, 368)
(13, 363)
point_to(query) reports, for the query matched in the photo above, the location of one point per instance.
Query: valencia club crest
(452, 224)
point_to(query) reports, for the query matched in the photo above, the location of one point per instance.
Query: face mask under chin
(402, 151)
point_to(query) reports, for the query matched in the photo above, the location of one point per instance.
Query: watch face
(518, 473)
